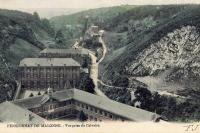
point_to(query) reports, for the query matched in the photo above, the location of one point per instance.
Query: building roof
(48, 62)
(10, 112)
(65, 51)
(126, 111)
(37, 101)
(114, 107)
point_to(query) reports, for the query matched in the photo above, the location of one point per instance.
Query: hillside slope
(21, 35)
(162, 41)
(17, 26)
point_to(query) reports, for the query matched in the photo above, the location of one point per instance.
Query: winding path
(94, 64)
(94, 68)
(104, 49)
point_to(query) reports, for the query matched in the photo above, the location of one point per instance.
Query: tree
(36, 16)
(84, 21)
(59, 37)
(85, 63)
(87, 84)
(144, 96)
(121, 81)
(47, 26)
(171, 107)
(31, 95)
(82, 116)
(39, 93)
(156, 103)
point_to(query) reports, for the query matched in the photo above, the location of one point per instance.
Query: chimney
(50, 91)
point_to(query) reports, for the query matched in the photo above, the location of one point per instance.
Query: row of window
(47, 76)
(56, 74)
(49, 70)
(91, 118)
(95, 110)
(56, 115)
(59, 55)
(48, 82)
(70, 75)
(51, 106)
(43, 86)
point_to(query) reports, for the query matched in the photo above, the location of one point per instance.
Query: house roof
(65, 51)
(126, 111)
(48, 62)
(10, 112)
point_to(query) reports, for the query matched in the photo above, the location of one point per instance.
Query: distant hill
(100, 15)
(71, 26)
(51, 12)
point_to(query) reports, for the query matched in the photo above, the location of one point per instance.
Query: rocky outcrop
(178, 51)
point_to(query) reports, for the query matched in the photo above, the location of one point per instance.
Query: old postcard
(100, 66)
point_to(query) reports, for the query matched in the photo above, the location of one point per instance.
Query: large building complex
(60, 69)
(41, 73)
(67, 104)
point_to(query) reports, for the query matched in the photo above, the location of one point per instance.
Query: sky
(16, 4)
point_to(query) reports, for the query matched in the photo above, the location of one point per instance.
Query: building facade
(67, 105)
(79, 55)
(41, 73)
